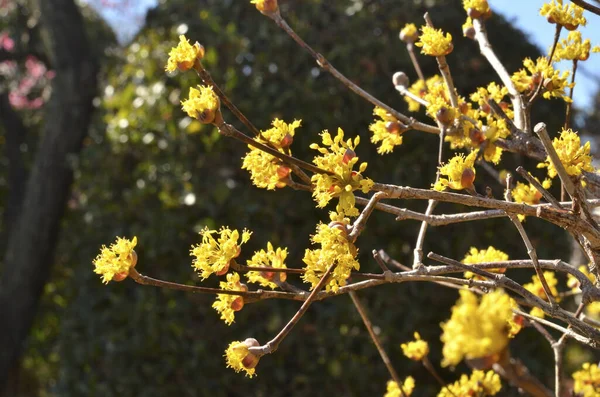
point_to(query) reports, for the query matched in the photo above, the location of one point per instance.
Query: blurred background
(94, 145)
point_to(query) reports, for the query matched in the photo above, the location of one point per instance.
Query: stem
(546, 194)
(361, 221)
(410, 47)
(568, 112)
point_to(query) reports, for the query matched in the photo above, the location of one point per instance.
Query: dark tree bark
(34, 233)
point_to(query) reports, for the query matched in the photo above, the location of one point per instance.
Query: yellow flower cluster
(407, 387)
(335, 249)
(214, 256)
(528, 194)
(572, 155)
(239, 358)
(417, 349)
(184, 55)
(268, 258)
(492, 91)
(227, 304)
(479, 384)
(202, 104)
(114, 263)
(490, 254)
(434, 42)
(587, 381)
(536, 288)
(570, 15)
(478, 329)
(573, 48)
(476, 8)
(553, 82)
(460, 172)
(573, 283)
(388, 131)
(265, 6)
(409, 33)
(267, 171)
(338, 157)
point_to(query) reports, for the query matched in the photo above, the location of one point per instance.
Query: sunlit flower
(214, 256)
(572, 155)
(267, 171)
(572, 48)
(480, 384)
(338, 156)
(553, 82)
(489, 254)
(536, 288)
(184, 55)
(335, 249)
(387, 131)
(460, 172)
(587, 381)
(417, 349)
(476, 8)
(433, 42)
(477, 329)
(239, 358)
(268, 258)
(407, 387)
(570, 15)
(573, 283)
(528, 194)
(409, 33)
(113, 263)
(202, 104)
(492, 91)
(227, 304)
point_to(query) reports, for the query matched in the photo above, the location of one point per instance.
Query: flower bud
(120, 276)
(548, 84)
(444, 116)
(408, 37)
(237, 304)
(467, 178)
(550, 18)
(283, 172)
(286, 141)
(348, 156)
(133, 258)
(570, 27)
(487, 14)
(476, 136)
(251, 360)
(207, 116)
(395, 127)
(339, 226)
(463, 107)
(224, 270)
(473, 13)
(266, 6)
(400, 79)
(469, 32)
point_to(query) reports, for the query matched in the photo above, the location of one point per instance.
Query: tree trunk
(34, 234)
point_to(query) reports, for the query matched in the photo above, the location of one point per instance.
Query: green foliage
(145, 160)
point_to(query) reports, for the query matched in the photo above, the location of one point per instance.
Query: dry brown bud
(286, 141)
(469, 32)
(348, 155)
(444, 116)
(473, 13)
(395, 127)
(476, 136)
(400, 79)
(467, 178)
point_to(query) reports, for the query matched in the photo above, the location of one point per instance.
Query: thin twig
(546, 194)
(361, 221)
(410, 47)
(569, 103)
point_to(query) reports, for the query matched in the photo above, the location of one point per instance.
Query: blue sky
(523, 13)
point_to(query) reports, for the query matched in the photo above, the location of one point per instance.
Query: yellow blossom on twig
(553, 82)
(477, 329)
(265, 6)
(573, 283)
(202, 104)
(335, 249)
(268, 258)
(417, 349)
(574, 157)
(387, 131)
(528, 194)
(409, 33)
(587, 381)
(227, 304)
(184, 55)
(479, 384)
(239, 358)
(113, 263)
(407, 387)
(477, 8)
(434, 42)
(568, 15)
(338, 156)
(573, 48)
(460, 172)
(489, 254)
(214, 256)
(536, 288)
(267, 171)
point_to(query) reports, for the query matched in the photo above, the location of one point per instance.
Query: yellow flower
(338, 157)
(265, 6)
(478, 7)
(267, 171)
(468, 29)
(419, 89)
(572, 48)
(388, 131)
(409, 33)
(184, 55)
(335, 249)
(554, 83)
(573, 283)
(477, 329)
(239, 358)
(593, 310)
(407, 387)
(417, 349)
(572, 155)
(114, 263)
(536, 288)
(490, 254)
(202, 104)
(492, 91)
(570, 16)
(214, 256)
(227, 304)
(268, 258)
(479, 384)
(528, 194)
(587, 380)
(433, 42)
(460, 172)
